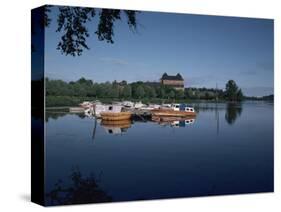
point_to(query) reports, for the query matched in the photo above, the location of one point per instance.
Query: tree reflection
(56, 115)
(233, 111)
(82, 190)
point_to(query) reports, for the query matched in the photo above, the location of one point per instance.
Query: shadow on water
(233, 111)
(81, 190)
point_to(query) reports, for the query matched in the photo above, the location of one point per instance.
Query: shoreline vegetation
(61, 93)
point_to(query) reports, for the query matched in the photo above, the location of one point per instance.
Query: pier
(136, 113)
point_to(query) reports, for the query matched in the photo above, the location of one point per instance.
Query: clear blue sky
(205, 49)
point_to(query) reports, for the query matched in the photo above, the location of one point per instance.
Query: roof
(165, 76)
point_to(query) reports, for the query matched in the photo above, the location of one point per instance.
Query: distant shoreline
(65, 101)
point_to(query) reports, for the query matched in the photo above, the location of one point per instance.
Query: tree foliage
(119, 90)
(232, 92)
(136, 90)
(74, 22)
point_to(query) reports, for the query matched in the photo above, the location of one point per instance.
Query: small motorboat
(176, 110)
(128, 104)
(139, 105)
(86, 104)
(150, 107)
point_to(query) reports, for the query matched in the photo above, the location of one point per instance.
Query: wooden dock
(137, 113)
(76, 110)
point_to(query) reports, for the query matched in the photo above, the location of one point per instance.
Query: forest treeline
(59, 92)
(135, 90)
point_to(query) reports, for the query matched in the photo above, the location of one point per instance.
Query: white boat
(139, 105)
(117, 103)
(166, 105)
(86, 104)
(128, 104)
(150, 107)
(182, 107)
(100, 108)
(176, 110)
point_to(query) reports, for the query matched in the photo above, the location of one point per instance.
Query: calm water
(227, 149)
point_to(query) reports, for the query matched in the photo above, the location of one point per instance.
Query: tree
(140, 92)
(180, 94)
(82, 80)
(73, 24)
(171, 94)
(162, 92)
(127, 91)
(233, 92)
(189, 93)
(240, 95)
(150, 91)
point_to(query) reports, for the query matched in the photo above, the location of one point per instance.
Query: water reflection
(233, 111)
(116, 127)
(54, 115)
(192, 160)
(173, 121)
(80, 191)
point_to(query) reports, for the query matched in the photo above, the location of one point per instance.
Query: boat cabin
(107, 108)
(182, 107)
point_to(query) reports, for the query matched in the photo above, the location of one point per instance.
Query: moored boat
(86, 104)
(128, 104)
(115, 116)
(139, 105)
(150, 107)
(176, 110)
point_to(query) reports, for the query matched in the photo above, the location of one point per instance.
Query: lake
(226, 149)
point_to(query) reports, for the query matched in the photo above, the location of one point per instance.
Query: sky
(206, 50)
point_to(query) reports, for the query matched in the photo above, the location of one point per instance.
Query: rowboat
(115, 116)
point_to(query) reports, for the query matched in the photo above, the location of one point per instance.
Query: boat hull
(113, 116)
(172, 113)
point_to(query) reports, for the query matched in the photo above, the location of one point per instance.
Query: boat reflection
(173, 121)
(116, 127)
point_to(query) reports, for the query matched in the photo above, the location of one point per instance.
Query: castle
(176, 81)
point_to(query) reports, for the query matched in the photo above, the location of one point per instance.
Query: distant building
(176, 81)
